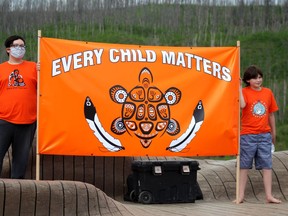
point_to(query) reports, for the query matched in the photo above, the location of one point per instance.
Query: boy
(258, 131)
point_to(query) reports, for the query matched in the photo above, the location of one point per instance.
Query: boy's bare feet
(238, 202)
(273, 200)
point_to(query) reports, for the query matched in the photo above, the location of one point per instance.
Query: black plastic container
(163, 182)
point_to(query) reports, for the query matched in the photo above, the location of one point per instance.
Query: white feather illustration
(109, 142)
(197, 119)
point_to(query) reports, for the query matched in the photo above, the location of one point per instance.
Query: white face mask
(17, 52)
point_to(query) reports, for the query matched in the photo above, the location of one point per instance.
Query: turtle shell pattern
(145, 109)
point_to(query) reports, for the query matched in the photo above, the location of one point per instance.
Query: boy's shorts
(257, 147)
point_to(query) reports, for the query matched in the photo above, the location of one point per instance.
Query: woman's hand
(38, 66)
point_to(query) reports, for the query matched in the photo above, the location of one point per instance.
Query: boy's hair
(9, 41)
(251, 72)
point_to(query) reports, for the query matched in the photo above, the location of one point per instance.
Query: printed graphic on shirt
(16, 79)
(258, 109)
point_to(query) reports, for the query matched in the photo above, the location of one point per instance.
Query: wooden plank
(93, 201)
(68, 169)
(12, 197)
(47, 167)
(43, 201)
(70, 198)
(2, 197)
(79, 168)
(119, 177)
(82, 198)
(89, 170)
(99, 172)
(57, 198)
(28, 197)
(109, 170)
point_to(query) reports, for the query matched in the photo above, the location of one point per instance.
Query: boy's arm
(273, 127)
(241, 98)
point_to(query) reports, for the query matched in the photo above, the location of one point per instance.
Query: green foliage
(281, 138)
(262, 32)
(267, 50)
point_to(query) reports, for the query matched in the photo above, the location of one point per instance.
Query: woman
(18, 105)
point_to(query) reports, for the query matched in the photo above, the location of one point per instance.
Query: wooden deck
(209, 208)
(216, 179)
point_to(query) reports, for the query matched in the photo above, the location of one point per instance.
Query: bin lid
(147, 165)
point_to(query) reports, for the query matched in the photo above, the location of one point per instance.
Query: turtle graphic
(145, 109)
(145, 114)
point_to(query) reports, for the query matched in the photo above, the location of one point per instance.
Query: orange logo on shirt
(16, 79)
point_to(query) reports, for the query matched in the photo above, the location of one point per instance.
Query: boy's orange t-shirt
(255, 116)
(18, 92)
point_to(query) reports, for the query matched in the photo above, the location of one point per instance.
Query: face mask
(17, 52)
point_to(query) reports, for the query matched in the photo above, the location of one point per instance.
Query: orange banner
(129, 100)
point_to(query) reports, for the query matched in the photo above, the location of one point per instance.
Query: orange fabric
(145, 97)
(255, 116)
(18, 92)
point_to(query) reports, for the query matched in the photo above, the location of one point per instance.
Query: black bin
(163, 182)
